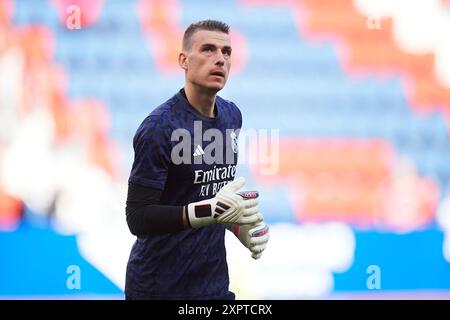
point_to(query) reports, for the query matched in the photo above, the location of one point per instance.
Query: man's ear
(182, 60)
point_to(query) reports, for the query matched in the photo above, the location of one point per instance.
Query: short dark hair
(210, 25)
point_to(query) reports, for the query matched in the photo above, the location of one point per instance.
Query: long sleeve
(146, 216)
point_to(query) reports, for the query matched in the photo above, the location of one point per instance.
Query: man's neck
(202, 101)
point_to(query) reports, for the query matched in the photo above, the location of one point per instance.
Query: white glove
(225, 208)
(254, 237)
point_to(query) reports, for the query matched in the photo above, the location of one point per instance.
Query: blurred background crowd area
(357, 197)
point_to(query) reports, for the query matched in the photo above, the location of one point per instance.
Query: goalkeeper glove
(254, 237)
(225, 208)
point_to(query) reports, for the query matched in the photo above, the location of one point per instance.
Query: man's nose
(220, 59)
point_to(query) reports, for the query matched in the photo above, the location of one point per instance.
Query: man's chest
(204, 159)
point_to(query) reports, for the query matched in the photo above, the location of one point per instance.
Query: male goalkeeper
(181, 200)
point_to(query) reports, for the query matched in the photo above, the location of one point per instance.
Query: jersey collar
(181, 95)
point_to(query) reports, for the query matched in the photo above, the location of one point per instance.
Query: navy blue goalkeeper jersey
(189, 157)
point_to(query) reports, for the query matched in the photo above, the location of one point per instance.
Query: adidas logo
(199, 151)
(220, 208)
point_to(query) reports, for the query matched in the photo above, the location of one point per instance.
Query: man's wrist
(186, 223)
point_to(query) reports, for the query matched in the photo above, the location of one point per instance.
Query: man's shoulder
(159, 119)
(226, 103)
(163, 111)
(231, 109)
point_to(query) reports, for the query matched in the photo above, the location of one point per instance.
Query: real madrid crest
(234, 142)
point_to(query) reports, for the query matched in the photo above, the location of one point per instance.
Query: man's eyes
(225, 52)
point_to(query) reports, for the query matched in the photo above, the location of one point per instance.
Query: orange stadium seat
(342, 180)
(365, 51)
(10, 211)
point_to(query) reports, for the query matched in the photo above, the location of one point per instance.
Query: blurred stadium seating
(363, 119)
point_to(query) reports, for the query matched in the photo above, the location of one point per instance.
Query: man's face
(208, 60)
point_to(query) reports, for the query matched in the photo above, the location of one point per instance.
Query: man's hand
(227, 207)
(253, 237)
